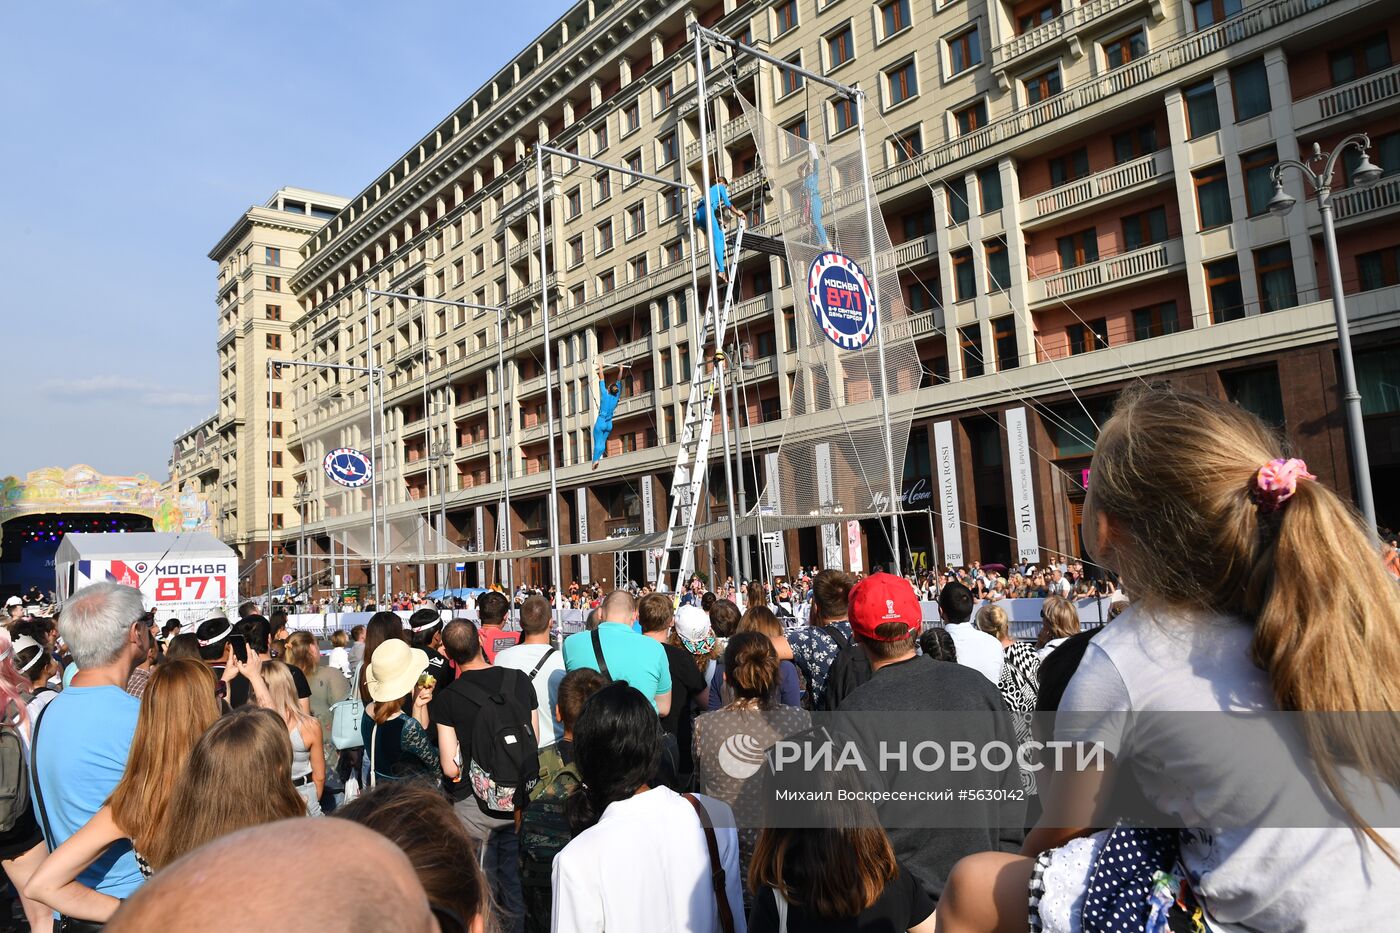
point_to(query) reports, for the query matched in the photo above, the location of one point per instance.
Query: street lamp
(1365, 175)
(441, 454)
(302, 497)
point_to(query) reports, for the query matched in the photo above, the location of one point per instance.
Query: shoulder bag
(717, 879)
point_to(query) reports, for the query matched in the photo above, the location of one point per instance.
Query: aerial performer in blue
(608, 398)
(719, 208)
(812, 192)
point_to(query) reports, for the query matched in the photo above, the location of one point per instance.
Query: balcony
(751, 310)
(917, 324)
(523, 251)
(528, 387)
(1357, 202)
(634, 405)
(525, 203)
(531, 292)
(627, 352)
(532, 434)
(1063, 26)
(765, 367)
(908, 253)
(1128, 178)
(745, 183)
(472, 449)
(1348, 100)
(1124, 269)
(731, 131)
(1157, 64)
(471, 407)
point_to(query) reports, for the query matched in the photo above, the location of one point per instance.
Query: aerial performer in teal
(608, 398)
(812, 194)
(713, 219)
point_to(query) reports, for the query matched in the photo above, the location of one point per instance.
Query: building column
(1242, 229)
(1186, 207)
(1285, 134)
(1019, 288)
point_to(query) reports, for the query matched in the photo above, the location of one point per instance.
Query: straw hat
(394, 669)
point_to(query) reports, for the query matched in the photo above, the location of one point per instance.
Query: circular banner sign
(842, 300)
(348, 467)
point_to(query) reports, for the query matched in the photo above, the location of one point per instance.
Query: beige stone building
(1077, 194)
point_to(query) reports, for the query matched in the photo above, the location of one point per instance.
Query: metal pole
(375, 477)
(267, 601)
(553, 510)
(720, 38)
(446, 452)
(714, 288)
(879, 334)
(697, 343)
(735, 372)
(506, 460)
(1351, 397)
(427, 444)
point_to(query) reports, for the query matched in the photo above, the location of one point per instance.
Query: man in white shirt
(540, 661)
(976, 649)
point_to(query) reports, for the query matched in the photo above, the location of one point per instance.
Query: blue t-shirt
(83, 740)
(607, 401)
(637, 659)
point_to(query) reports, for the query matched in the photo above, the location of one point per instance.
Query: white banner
(831, 537)
(581, 507)
(1022, 484)
(948, 493)
(649, 523)
(853, 546)
(481, 544)
(777, 556)
(501, 542)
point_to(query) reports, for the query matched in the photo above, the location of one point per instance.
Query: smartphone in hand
(240, 648)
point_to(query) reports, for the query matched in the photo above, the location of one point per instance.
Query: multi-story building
(1078, 197)
(238, 456)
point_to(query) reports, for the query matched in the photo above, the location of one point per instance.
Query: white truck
(189, 577)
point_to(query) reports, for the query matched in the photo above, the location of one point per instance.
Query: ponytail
(751, 666)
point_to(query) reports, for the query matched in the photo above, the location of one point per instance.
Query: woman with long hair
(1058, 621)
(1020, 674)
(422, 823)
(184, 645)
(668, 881)
(178, 705)
(238, 775)
(1233, 554)
(328, 685)
(396, 745)
(382, 627)
(763, 620)
(308, 758)
(22, 847)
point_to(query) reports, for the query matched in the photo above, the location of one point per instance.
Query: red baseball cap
(881, 598)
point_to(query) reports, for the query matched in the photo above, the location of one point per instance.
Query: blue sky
(133, 134)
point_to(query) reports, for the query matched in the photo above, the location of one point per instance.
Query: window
(276, 427)
(894, 17)
(1258, 179)
(1256, 391)
(1250, 84)
(577, 295)
(274, 399)
(274, 312)
(1087, 336)
(1223, 289)
(1078, 249)
(631, 117)
(1118, 52)
(970, 339)
(1040, 86)
(791, 81)
(1366, 57)
(1202, 109)
(1212, 196)
(272, 256)
(277, 458)
(575, 250)
(674, 252)
(1277, 289)
(277, 516)
(1037, 17)
(971, 118)
(785, 15)
(669, 148)
(1134, 143)
(1004, 340)
(964, 278)
(272, 283)
(1069, 167)
(638, 266)
(1145, 228)
(607, 282)
(998, 266)
(843, 115)
(478, 260)
(602, 183)
(671, 202)
(274, 341)
(906, 145)
(604, 237)
(600, 137)
(901, 83)
(276, 488)
(840, 47)
(798, 130)
(989, 187)
(917, 224)
(964, 51)
(636, 220)
(1378, 269)
(1155, 320)
(573, 204)
(957, 201)
(1210, 12)
(665, 92)
(634, 162)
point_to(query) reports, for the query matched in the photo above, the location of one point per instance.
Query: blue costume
(719, 195)
(812, 188)
(607, 404)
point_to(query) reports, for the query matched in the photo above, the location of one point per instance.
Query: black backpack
(503, 766)
(849, 670)
(543, 832)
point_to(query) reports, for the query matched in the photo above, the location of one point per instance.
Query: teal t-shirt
(637, 659)
(83, 739)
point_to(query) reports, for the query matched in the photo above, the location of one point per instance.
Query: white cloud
(123, 389)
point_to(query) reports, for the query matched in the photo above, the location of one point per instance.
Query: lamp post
(1365, 175)
(441, 454)
(303, 495)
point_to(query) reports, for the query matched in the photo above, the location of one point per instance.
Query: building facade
(1078, 197)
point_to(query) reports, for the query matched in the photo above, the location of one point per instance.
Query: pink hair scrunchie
(1277, 480)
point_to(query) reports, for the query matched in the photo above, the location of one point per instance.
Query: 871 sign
(192, 588)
